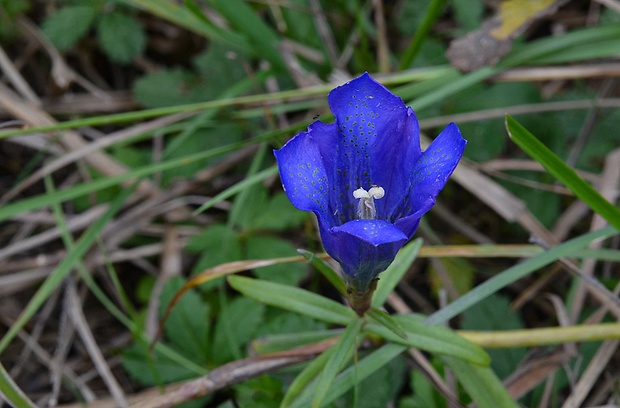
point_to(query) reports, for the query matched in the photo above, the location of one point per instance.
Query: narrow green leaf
(435, 339)
(327, 271)
(237, 188)
(262, 38)
(66, 265)
(13, 394)
(293, 299)
(301, 383)
(481, 384)
(384, 319)
(433, 11)
(560, 170)
(43, 200)
(515, 273)
(352, 375)
(186, 17)
(394, 274)
(286, 341)
(339, 354)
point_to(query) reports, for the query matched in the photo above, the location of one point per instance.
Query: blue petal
(379, 139)
(409, 224)
(303, 174)
(433, 169)
(364, 248)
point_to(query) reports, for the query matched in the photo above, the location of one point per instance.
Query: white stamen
(366, 207)
(361, 193)
(376, 192)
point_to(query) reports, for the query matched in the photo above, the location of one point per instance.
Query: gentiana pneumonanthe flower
(365, 176)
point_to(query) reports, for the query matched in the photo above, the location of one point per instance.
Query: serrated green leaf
(236, 326)
(152, 368)
(187, 326)
(121, 36)
(435, 339)
(65, 27)
(481, 384)
(395, 272)
(338, 356)
(167, 87)
(267, 247)
(293, 299)
(560, 170)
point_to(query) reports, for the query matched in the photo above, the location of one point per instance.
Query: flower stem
(360, 301)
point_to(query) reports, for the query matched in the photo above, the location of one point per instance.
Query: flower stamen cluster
(366, 207)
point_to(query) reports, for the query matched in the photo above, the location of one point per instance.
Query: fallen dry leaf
(493, 40)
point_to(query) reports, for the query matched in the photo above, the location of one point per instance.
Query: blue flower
(365, 176)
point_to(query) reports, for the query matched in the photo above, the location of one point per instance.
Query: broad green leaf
(121, 36)
(293, 299)
(515, 273)
(326, 270)
(389, 279)
(435, 339)
(338, 356)
(560, 170)
(65, 27)
(481, 384)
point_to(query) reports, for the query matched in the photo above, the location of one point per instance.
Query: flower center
(366, 207)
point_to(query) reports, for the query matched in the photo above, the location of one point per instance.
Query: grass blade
(515, 273)
(560, 170)
(13, 394)
(85, 242)
(481, 384)
(353, 375)
(339, 354)
(435, 339)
